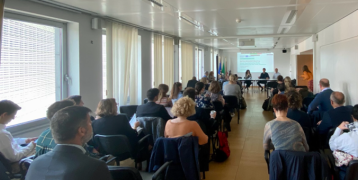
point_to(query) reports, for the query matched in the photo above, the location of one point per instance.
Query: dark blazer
(299, 116)
(191, 83)
(67, 163)
(322, 100)
(202, 117)
(333, 118)
(151, 109)
(116, 125)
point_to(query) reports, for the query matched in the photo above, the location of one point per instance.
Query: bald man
(276, 74)
(322, 100)
(334, 117)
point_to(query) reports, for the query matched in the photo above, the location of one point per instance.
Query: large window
(31, 67)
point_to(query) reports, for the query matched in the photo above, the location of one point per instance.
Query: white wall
(281, 61)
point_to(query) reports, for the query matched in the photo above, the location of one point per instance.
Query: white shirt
(10, 147)
(346, 142)
(74, 145)
(275, 75)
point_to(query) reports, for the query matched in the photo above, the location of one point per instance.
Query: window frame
(61, 72)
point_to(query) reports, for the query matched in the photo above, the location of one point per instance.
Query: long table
(256, 80)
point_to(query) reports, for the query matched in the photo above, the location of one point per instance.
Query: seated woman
(346, 142)
(202, 100)
(294, 106)
(288, 83)
(162, 97)
(176, 93)
(248, 78)
(232, 89)
(78, 100)
(204, 80)
(181, 126)
(279, 81)
(276, 131)
(214, 92)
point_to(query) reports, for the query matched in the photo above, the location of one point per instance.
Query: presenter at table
(264, 75)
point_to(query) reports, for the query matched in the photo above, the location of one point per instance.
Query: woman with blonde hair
(211, 76)
(204, 80)
(176, 93)
(214, 92)
(232, 89)
(288, 83)
(162, 97)
(181, 126)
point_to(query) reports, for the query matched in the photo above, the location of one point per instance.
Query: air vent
(282, 30)
(290, 17)
(156, 3)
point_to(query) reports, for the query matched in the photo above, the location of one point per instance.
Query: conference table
(254, 82)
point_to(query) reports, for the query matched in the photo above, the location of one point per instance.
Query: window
(104, 66)
(31, 68)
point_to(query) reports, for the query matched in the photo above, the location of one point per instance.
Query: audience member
(276, 131)
(264, 75)
(226, 82)
(276, 74)
(332, 118)
(162, 98)
(214, 92)
(346, 142)
(151, 109)
(192, 82)
(211, 77)
(11, 147)
(176, 93)
(206, 74)
(281, 88)
(280, 79)
(288, 84)
(71, 128)
(202, 100)
(304, 92)
(79, 102)
(181, 126)
(279, 83)
(322, 100)
(232, 89)
(248, 78)
(294, 105)
(204, 80)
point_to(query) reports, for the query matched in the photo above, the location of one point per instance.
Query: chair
(293, 82)
(145, 101)
(7, 169)
(153, 126)
(269, 85)
(306, 102)
(129, 173)
(207, 86)
(233, 103)
(130, 110)
(267, 159)
(352, 170)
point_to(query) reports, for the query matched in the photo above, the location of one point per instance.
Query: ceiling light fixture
(291, 16)
(213, 33)
(238, 20)
(189, 21)
(156, 3)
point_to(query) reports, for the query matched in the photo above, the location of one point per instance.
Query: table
(256, 80)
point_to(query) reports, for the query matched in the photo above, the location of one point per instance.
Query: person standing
(264, 75)
(308, 76)
(276, 74)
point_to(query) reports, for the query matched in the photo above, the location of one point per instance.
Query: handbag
(342, 159)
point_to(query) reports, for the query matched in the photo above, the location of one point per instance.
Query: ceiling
(269, 23)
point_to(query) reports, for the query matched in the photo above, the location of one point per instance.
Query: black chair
(267, 159)
(352, 170)
(145, 101)
(269, 85)
(306, 102)
(153, 126)
(207, 86)
(232, 103)
(294, 82)
(129, 173)
(6, 166)
(130, 110)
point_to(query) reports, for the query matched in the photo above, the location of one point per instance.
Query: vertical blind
(187, 62)
(27, 69)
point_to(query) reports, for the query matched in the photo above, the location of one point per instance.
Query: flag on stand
(219, 70)
(223, 69)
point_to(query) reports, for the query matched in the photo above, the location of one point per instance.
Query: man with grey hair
(71, 129)
(334, 117)
(322, 100)
(276, 74)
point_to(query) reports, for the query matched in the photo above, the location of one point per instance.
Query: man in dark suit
(263, 75)
(336, 116)
(322, 100)
(192, 82)
(151, 109)
(71, 129)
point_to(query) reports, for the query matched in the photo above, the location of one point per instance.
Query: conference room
(178, 89)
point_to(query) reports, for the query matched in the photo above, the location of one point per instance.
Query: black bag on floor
(243, 103)
(267, 105)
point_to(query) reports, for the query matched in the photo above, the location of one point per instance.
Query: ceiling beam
(249, 36)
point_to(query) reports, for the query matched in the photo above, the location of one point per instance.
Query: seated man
(151, 109)
(71, 129)
(322, 100)
(9, 146)
(264, 75)
(192, 82)
(336, 116)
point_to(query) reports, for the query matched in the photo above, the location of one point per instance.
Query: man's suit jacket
(151, 109)
(333, 118)
(191, 83)
(67, 163)
(322, 100)
(299, 116)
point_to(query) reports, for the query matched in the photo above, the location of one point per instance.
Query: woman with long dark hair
(308, 76)
(202, 100)
(248, 78)
(176, 93)
(162, 98)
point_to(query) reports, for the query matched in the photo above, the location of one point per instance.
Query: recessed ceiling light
(238, 20)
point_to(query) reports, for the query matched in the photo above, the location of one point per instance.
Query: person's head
(199, 88)
(247, 72)
(279, 103)
(279, 78)
(276, 70)
(8, 110)
(107, 107)
(211, 73)
(206, 73)
(184, 107)
(237, 77)
(214, 87)
(355, 112)
(194, 78)
(204, 80)
(77, 99)
(190, 92)
(264, 70)
(294, 99)
(287, 82)
(305, 68)
(232, 79)
(72, 125)
(177, 87)
(304, 92)
(337, 99)
(163, 90)
(58, 106)
(152, 94)
(323, 83)
(281, 87)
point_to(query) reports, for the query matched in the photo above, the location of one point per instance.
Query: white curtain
(187, 61)
(168, 61)
(125, 64)
(2, 3)
(158, 60)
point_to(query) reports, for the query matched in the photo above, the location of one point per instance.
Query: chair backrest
(271, 84)
(330, 133)
(5, 163)
(127, 173)
(130, 110)
(231, 101)
(145, 101)
(293, 82)
(352, 170)
(3, 172)
(306, 102)
(115, 145)
(153, 126)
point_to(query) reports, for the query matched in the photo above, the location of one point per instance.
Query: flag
(223, 70)
(219, 70)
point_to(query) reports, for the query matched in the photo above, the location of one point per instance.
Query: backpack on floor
(243, 103)
(267, 105)
(224, 151)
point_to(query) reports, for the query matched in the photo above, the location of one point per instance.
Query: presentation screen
(255, 62)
